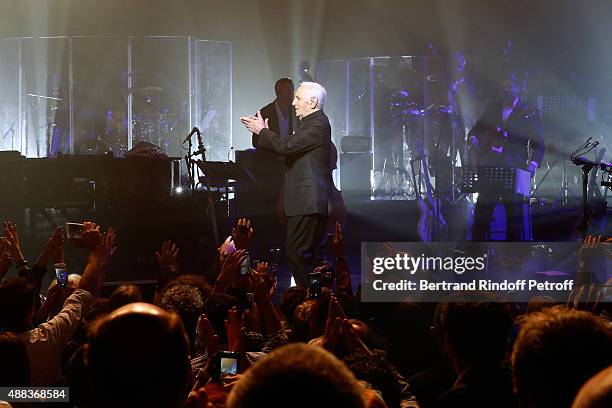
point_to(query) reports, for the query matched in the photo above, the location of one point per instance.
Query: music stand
(218, 174)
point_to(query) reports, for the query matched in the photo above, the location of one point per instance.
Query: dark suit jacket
(522, 125)
(269, 112)
(306, 153)
(269, 168)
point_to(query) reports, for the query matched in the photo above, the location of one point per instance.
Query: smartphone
(229, 363)
(61, 274)
(74, 230)
(246, 265)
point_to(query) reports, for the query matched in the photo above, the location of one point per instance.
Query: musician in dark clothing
(269, 168)
(308, 176)
(508, 134)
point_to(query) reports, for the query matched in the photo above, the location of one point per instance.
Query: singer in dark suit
(508, 134)
(307, 186)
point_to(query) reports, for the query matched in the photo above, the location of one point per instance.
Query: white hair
(315, 90)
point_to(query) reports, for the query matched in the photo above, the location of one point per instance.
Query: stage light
(178, 190)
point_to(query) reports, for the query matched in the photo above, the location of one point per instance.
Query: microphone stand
(190, 164)
(209, 193)
(587, 166)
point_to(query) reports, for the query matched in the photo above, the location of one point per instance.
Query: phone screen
(229, 366)
(74, 230)
(61, 274)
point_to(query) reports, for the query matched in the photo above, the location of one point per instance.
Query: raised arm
(301, 141)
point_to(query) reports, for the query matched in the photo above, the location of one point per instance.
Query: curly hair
(187, 302)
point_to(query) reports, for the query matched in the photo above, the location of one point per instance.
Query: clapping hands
(254, 123)
(340, 335)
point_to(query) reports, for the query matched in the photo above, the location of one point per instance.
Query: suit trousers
(305, 235)
(513, 204)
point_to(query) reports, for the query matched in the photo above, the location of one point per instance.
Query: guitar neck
(428, 186)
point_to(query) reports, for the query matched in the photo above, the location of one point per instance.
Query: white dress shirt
(46, 341)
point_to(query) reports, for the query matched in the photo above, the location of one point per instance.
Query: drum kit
(394, 181)
(152, 122)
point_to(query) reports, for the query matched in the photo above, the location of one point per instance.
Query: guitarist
(504, 136)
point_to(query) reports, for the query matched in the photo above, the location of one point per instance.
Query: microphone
(193, 132)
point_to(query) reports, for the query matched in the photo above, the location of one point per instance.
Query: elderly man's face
(303, 103)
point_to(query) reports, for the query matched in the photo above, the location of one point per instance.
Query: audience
(124, 295)
(476, 336)
(305, 375)
(14, 361)
(187, 302)
(138, 356)
(557, 350)
(123, 352)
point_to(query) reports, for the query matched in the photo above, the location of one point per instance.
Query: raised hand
(588, 250)
(167, 257)
(12, 237)
(5, 257)
(337, 241)
(250, 320)
(352, 341)
(334, 311)
(4, 247)
(259, 288)
(231, 267)
(231, 380)
(263, 269)
(233, 327)
(332, 336)
(243, 234)
(587, 297)
(108, 245)
(55, 300)
(264, 304)
(53, 249)
(196, 399)
(91, 236)
(58, 248)
(208, 336)
(254, 123)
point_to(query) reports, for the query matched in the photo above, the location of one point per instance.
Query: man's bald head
(136, 353)
(597, 392)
